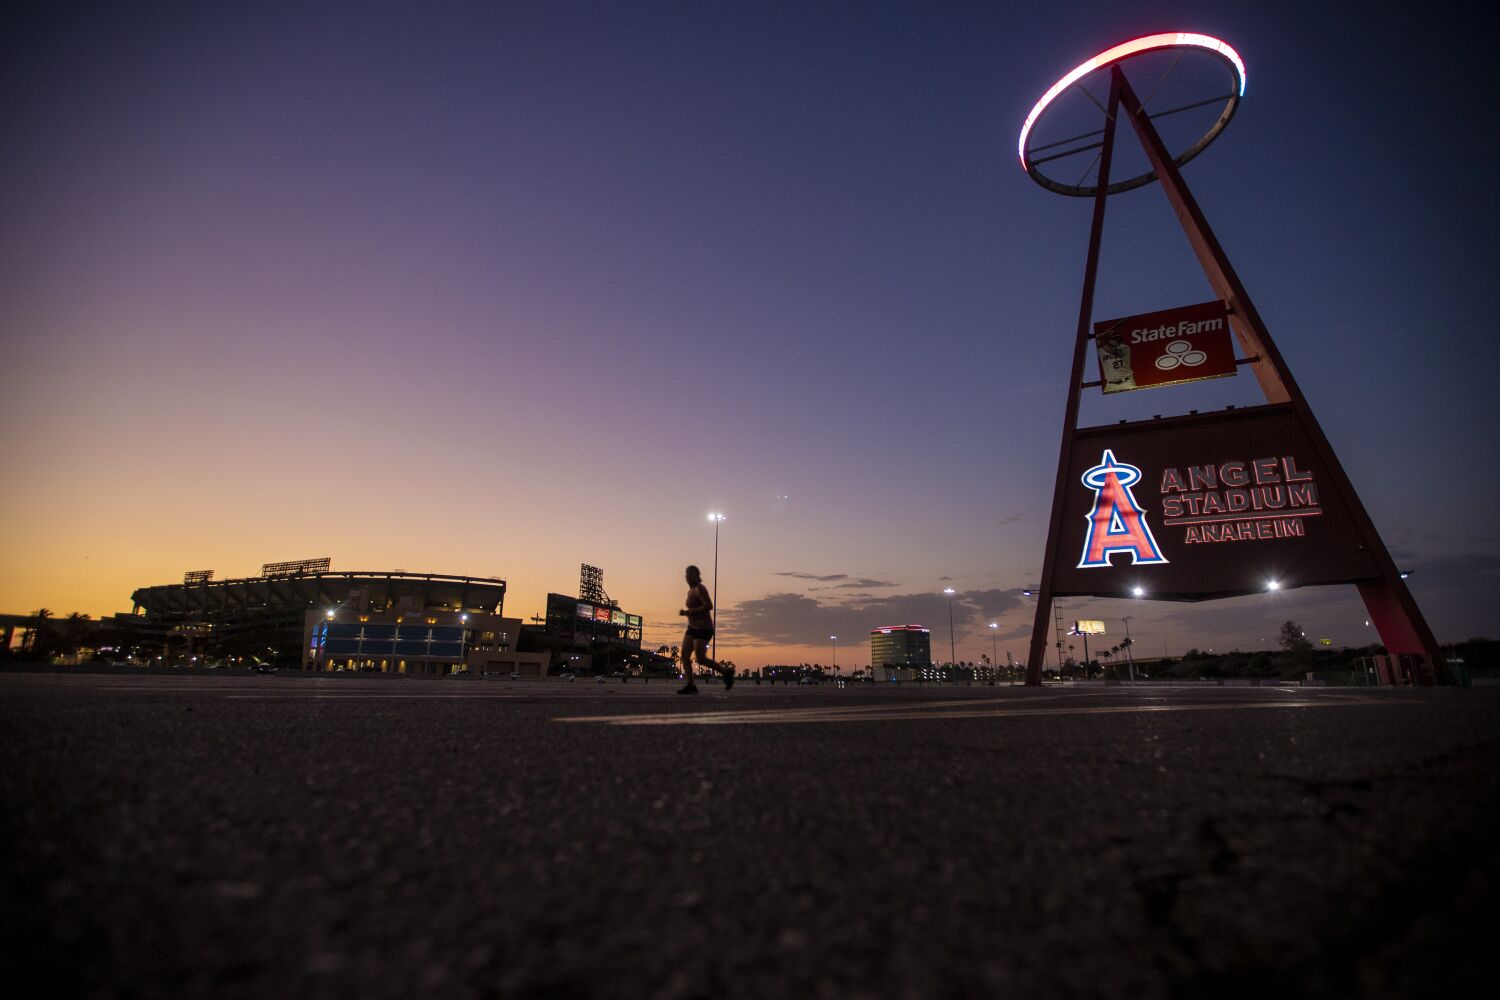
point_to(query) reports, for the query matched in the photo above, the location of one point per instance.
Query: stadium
(270, 616)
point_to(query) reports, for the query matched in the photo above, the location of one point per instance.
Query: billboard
(1186, 344)
(1088, 628)
(585, 611)
(617, 617)
(296, 567)
(601, 614)
(1203, 506)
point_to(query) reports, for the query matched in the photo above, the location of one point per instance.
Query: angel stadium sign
(1153, 505)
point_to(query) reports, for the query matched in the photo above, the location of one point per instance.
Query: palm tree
(75, 627)
(39, 619)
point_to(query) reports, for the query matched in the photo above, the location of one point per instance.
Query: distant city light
(1138, 591)
(1272, 585)
(715, 516)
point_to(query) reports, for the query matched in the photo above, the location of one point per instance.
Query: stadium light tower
(952, 647)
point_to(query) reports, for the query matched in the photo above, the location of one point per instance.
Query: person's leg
(703, 660)
(688, 642)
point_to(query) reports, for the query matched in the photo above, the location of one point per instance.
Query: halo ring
(1117, 54)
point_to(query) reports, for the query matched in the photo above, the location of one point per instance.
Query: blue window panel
(341, 631)
(442, 633)
(448, 649)
(341, 647)
(380, 631)
(376, 646)
(412, 632)
(411, 648)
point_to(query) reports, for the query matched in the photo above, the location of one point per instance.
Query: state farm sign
(1203, 506)
(1186, 344)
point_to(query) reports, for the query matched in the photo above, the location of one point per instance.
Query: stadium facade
(272, 616)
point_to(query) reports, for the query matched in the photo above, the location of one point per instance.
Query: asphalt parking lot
(373, 837)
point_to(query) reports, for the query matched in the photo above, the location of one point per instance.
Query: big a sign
(1210, 505)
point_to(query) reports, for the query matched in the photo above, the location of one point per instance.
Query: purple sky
(501, 288)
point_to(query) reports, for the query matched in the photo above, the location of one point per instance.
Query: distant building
(266, 617)
(900, 646)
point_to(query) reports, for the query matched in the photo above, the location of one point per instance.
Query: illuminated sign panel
(601, 614)
(296, 567)
(1187, 344)
(1203, 506)
(1088, 628)
(1122, 51)
(585, 611)
(617, 617)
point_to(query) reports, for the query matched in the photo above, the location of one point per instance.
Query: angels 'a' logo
(1117, 523)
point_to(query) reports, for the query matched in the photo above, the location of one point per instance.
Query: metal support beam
(1037, 655)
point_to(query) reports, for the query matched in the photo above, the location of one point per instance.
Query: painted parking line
(906, 713)
(362, 696)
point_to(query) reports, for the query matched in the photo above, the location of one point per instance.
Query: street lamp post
(463, 632)
(994, 631)
(717, 519)
(952, 647)
(835, 667)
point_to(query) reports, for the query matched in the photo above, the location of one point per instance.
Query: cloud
(864, 583)
(799, 619)
(1011, 519)
(1455, 592)
(1455, 568)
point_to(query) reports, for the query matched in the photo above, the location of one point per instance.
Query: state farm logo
(1180, 354)
(1169, 347)
(1180, 328)
(1239, 501)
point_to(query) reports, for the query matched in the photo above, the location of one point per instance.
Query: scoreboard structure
(585, 621)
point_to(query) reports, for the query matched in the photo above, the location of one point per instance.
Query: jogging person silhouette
(700, 632)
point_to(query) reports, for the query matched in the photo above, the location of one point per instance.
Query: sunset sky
(497, 289)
